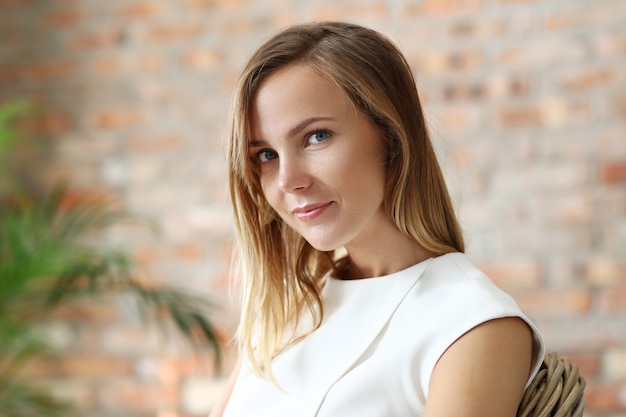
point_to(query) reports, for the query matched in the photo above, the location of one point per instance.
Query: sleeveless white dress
(378, 344)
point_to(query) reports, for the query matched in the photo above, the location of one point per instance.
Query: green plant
(46, 261)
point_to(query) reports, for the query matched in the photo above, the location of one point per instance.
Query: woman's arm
(483, 373)
(220, 405)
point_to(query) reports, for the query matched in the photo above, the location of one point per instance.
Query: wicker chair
(556, 391)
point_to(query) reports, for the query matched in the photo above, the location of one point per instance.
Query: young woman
(357, 297)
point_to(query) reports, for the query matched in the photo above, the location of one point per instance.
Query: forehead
(298, 81)
(293, 93)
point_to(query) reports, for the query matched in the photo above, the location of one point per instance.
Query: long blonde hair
(281, 273)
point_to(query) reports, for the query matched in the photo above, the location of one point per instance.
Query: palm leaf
(18, 399)
(46, 260)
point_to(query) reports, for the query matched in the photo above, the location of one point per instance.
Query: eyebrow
(303, 124)
(294, 130)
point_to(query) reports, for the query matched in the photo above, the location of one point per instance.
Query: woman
(357, 297)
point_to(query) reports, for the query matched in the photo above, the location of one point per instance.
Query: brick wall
(526, 100)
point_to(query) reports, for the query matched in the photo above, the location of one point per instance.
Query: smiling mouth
(311, 211)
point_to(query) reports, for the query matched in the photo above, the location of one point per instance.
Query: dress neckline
(403, 272)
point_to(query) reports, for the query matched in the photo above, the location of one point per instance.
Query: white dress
(378, 344)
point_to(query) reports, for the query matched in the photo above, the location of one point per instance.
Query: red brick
(174, 33)
(535, 54)
(47, 71)
(203, 59)
(76, 197)
(217, 6)
(436, 62)
(588, 363)
(109, 65)
(514, 274)
(190, 252)
(561, 20)
(8, 75)
(510, 86)
(146, 255)
(605, 271)
(375, 12)
(39, 367)
(190, 364)
(101, 39)
(62, 17)
(464, 92)
(613, 172)
(94, 366)
(127, 394)
(613, 300)
(140, 10)
(150, 64)
(465, 61)
(559, 112)
(567, 302)
(484, 29)
(518, 1)
(372, 12)
(589, 79)
(527, 116)
(115, 118)
(87, 311)
(51, 123)
(591, 14)
(161, 143)
(119, 65)
(203, 6)
(441, 7)
(605, 398)
(378, 11)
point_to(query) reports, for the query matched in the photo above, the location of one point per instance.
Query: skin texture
(321, 169)
(320, 166)
(483, 373)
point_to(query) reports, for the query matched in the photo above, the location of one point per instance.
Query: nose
(293, 174)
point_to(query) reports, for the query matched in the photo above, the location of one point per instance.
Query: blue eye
(266, 155)
(318, 136)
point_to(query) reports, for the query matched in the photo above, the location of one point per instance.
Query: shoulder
(492, 382)
(453, 283)
(453, 297)
(461, 296)
(455, 266)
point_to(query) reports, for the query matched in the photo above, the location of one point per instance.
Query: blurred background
(127, 105)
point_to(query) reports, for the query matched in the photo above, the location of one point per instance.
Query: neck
(388, 252)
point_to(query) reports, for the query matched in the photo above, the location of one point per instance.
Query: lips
(311, 211)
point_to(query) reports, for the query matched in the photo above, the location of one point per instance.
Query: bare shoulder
(484, 372)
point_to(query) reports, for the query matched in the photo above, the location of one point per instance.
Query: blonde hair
(281, 273)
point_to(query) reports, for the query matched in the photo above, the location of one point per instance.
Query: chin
(323, 246)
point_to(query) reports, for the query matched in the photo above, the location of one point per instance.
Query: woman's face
(320, 160)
